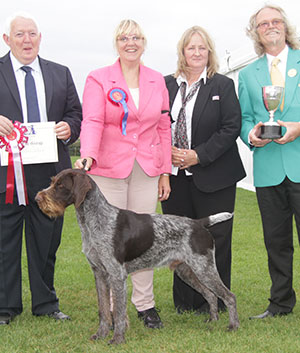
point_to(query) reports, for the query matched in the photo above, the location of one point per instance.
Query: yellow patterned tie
(277, 78)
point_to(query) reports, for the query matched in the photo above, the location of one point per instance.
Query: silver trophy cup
(272, 96)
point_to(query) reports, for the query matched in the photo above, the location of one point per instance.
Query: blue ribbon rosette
(119, 97)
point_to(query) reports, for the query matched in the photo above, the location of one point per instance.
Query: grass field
(181, 333)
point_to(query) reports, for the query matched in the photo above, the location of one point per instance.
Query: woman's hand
(164, 188)
(84, 163)
(183, 158)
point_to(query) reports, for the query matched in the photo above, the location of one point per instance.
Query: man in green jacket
(276, 161)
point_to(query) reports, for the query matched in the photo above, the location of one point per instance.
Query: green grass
(182, 333)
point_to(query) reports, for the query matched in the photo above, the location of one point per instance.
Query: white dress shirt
(39, 83)
(283, 61)
(135, 94)
(188, 110)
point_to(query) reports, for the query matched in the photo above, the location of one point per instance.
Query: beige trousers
(138, 192)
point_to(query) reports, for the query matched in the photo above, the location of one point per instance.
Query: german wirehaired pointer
(117, 242)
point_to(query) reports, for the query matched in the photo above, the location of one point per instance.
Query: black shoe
(267, 313)
(5, 319)
(151, 318)
(58, 315)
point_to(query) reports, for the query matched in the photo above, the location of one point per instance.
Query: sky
(79, 33)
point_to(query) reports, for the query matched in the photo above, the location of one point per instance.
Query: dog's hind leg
(189, 277)
(209, 277)
(119, 295)
(105, 321)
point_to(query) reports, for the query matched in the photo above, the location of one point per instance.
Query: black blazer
(216, 124)
(62, 103)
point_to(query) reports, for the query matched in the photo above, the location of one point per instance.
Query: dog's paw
(94, 337)
(213, 317)
(117, 339)
(233, 327)
(101, 333)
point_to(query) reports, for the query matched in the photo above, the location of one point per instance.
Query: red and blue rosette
(119, 97)
(14, 143)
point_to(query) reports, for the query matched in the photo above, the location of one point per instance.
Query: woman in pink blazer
(126, 140)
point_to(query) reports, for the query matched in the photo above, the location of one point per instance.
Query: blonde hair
(212, 64)
(291, 38)
(126, 27)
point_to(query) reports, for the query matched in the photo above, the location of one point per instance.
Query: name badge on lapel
(292, 72)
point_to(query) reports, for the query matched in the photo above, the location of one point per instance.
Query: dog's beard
(47, 206)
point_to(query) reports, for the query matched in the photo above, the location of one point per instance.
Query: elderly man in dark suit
(57, 101)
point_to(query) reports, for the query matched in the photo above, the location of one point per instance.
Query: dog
(117, 242)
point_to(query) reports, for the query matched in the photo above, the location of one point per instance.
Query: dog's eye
(59, 185)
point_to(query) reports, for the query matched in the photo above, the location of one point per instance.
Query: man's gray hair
(291, 37)
(11, 18)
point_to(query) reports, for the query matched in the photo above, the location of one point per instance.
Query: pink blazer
(148, 138)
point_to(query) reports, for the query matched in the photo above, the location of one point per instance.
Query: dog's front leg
(119, 294)
(105, 321)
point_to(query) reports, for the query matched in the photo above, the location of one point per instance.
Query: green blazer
(273, 162)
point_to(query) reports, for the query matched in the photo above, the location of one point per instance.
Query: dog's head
(68, 187)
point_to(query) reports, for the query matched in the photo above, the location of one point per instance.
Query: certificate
(41, 146)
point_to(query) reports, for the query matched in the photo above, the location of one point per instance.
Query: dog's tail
(216, 218)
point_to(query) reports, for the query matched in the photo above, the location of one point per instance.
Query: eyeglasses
(266, 24)
(126, 39)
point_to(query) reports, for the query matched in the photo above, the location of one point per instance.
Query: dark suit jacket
(62, 103)
(216, 124)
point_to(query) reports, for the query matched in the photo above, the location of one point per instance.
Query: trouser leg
(11, 232)
(277, 205)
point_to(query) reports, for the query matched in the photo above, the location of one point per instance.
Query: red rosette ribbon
(14, 143)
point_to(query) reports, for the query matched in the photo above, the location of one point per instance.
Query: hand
(164, 188)
(62, 130)
(183, 158)
(254, 136)
(79, 164)
(6, 126)
(292, 132)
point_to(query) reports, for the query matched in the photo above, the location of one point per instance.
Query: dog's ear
(82, 184)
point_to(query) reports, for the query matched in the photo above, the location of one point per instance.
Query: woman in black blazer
(206, 122)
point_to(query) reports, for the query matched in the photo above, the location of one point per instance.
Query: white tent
(231, 65)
